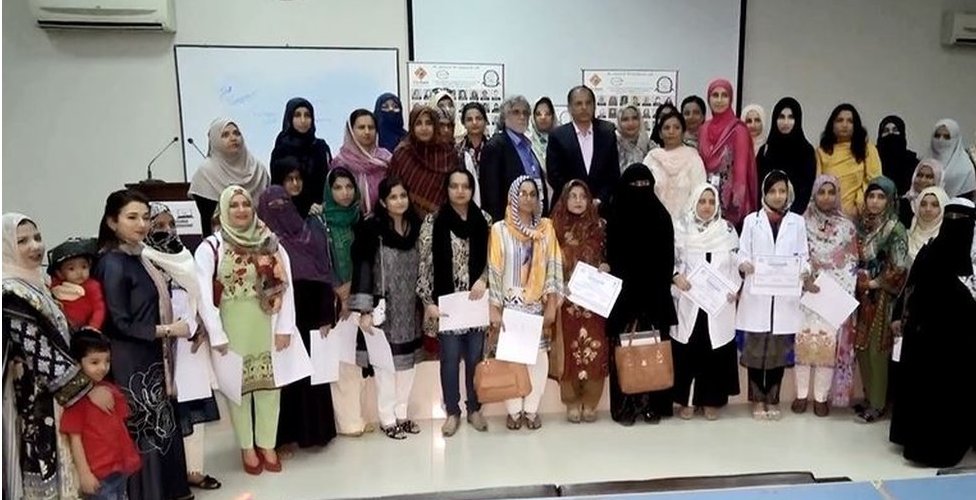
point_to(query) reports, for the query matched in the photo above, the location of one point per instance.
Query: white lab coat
(721, 328)
(754, 312)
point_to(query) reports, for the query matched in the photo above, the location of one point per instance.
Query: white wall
(883, 56)
(85, 111)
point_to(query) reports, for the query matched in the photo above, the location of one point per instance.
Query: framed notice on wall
(466, 82)
(618, 88)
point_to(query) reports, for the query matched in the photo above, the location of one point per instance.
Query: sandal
(514, 423)
(394, 432)
(207, 483)
(799, 406)
(533, 421)
(409, 426)
(711, 413)
(870, 416)
(686, 412)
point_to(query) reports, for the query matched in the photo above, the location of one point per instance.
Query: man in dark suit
(584, 149)
(506, 156)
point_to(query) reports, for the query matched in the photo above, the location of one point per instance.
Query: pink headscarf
(369, 166)
(723, 135)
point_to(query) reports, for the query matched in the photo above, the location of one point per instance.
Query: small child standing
(103, 451)
(80, 295)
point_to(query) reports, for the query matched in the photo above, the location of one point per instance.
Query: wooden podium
(171, 191)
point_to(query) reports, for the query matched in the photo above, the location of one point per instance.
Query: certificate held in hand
(459, 312)
(518, 341)
(777, 275)
(594, 290)
(709, 290)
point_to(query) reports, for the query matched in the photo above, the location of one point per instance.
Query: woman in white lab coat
(704, 348)
(770, 322)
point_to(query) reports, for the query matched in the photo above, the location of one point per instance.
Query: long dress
(39, 378)
(132, 301)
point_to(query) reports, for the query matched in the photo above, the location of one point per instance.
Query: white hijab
(921, 232)
(13, 266)
(697, 235)
(757, 142)
(222, 169)
(959, 176)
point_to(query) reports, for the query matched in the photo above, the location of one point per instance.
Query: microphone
(149, 177)
(194, 144)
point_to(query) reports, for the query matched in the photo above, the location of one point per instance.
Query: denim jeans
(466, 347)
(112, 488)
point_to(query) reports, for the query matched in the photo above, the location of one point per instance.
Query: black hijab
(791, 153)
(645, 268)
(311, 152)
(951, 248)
(897, 161)
(474, 229)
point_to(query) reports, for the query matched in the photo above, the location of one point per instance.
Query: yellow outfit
(853, 176)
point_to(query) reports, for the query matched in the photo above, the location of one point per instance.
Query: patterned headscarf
(513, 217)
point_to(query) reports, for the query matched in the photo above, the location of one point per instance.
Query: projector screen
(544, 44)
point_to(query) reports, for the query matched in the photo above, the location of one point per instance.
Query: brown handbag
(644, 368)
(496, 380)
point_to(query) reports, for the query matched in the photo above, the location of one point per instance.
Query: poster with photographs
(645, 89)
(466, 82)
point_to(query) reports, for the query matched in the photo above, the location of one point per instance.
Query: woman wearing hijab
(297, 139)
(928, 173)
(385, 268)
(341, 214)
(704, 345)
(754, 116)
(730, 160)
(444, 100)
(947, 148)
(677, 167)
(453, 248)
(882, 267)
(525, 273)
(693, 109)
(389, 121)
(363, 157)
(305, 419)
(787, 149)
(632, 140)
(645, 302)
(251, 273)
(825, 351)
(141, 326)
(846, 154)
(228, 163)
(585, 350)
(39, 375)
(929, 208)
(423, 160)
(544, 119)
(897, 161)
(166, 252)
(770, 322)
(937, 354)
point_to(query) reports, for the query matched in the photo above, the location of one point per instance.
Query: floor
(375, 465)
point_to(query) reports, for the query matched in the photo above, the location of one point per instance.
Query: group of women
(378, 232)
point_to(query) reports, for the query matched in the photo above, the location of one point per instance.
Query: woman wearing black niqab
(897, 161)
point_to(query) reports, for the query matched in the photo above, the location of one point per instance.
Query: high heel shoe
(253, 470)
(268, 466)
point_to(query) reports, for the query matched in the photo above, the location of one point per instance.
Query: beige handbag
(496, 380)
(646, 367)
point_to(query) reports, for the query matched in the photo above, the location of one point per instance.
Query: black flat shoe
(652, 418)
(207, 483)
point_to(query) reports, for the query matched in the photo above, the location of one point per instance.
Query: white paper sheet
(229, 369)
(325, 357)
(346, 331)
(777, 275)
(459, 312)
(291, 363)
(832, 303)
(518, 342)
(378, 348)
(192, 373)
(593, 290)
(896, 349)
(710, 289)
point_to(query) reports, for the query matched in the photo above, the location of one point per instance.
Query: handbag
(379, 310)
(646, 367)
(496, 380)
(218, 287)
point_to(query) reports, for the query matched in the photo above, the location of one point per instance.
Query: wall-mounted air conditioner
(959, 28)
(143, 15)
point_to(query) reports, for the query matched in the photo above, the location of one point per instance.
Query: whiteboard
(252, 84)
(545, 43)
